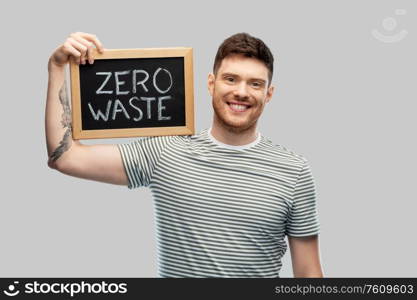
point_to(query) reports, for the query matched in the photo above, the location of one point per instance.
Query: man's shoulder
(282, 153)
(168, 141)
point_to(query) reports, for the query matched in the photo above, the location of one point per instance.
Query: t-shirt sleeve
(140, 159)
(303, 216)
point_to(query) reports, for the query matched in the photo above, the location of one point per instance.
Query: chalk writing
(132, 93)
(139, 79)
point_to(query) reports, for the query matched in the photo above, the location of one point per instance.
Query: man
(225, 198)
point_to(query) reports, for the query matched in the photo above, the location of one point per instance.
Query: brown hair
(247, 45)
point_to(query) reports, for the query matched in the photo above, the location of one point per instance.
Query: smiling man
(226, 198)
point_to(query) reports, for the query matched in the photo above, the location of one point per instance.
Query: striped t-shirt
(221, 210)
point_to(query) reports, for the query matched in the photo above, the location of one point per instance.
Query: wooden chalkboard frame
(188, 129)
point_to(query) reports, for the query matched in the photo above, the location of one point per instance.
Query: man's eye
(230, 79)
(256, 84)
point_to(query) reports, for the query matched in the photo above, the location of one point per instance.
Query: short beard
(231, 128)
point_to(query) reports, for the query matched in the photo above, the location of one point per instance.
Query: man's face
(239, 91)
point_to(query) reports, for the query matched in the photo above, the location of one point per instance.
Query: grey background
(344, 100)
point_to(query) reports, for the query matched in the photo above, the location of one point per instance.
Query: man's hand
(78, 46)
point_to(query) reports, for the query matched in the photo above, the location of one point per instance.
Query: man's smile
(238, 107)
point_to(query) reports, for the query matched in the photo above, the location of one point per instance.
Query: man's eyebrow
(259, 79)
(229, 74)
(236, 75)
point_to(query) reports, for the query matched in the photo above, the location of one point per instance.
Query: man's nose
(241, 90)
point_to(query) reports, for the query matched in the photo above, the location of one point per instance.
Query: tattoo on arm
(66, 141)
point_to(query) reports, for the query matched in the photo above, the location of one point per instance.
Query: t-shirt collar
(234, 147)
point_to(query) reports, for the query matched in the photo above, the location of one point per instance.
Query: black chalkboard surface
(133, 92)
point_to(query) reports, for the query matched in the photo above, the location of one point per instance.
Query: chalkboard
(133, 92)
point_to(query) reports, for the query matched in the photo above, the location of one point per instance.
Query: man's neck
(229, 137)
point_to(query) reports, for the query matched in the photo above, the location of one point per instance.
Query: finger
(92, 38)
(89, 45)
(70, 51)
(80, 47)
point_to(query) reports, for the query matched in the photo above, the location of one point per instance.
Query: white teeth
(238, 107)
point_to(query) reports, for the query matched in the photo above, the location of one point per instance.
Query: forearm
(309, 273)
(305, 256)
(308, 266)
(58, 128)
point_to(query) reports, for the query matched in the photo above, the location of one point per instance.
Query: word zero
(135, 81)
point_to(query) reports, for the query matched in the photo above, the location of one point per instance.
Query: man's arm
(305, 256)
(96, 162)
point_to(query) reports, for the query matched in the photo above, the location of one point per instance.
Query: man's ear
(269, 93)
(210, 83)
